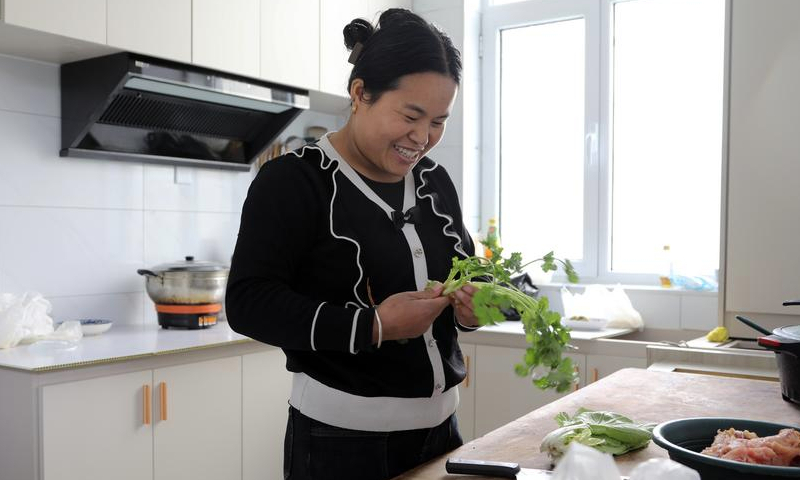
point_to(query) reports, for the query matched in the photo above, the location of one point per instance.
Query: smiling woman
(337, 242)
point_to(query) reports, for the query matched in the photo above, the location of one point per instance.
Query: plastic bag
(663, 469)
(597, 301)
(24, 317)
(582, 463)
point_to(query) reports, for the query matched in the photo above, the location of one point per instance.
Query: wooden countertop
(642, 395)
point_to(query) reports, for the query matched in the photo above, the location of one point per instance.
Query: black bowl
(685, 438)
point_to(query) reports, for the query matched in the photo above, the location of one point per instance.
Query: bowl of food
(94, 326)
(732, 448)
(579, 322)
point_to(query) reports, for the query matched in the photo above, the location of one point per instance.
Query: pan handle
(143, 271)
(789, 303)
(753, 325)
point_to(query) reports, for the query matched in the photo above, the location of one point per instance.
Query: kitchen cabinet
(161, 28)
(81, 19)
(600, 366)
(334, 69)
(93, 427)
(290, 42)
(180, 421)
(466, 395)
(266, 390)
(761, 262)
(501, 395)
(334, 15)
(226, 35)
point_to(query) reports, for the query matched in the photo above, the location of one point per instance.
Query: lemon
(719, 334)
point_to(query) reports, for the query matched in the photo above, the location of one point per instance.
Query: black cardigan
(315, 252)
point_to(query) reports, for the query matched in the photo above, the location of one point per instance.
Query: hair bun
(357, 31)
(397, 16)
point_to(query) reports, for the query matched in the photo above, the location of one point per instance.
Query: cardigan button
(438, 386)
(418, 252)
(432, 342)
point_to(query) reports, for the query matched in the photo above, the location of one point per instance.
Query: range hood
(131, 107)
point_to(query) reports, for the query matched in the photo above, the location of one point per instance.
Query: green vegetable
(608, 432)
(547, 338)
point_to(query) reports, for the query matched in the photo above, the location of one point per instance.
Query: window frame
(597, 225)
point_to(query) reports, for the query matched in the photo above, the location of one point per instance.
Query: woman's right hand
(409, 314)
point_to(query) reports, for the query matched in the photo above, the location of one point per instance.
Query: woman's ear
(357, 92)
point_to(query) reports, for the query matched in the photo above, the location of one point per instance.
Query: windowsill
(641, 288)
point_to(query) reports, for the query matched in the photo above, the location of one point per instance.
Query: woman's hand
(461, 300)
(409, 314)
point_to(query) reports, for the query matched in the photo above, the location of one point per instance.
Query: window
(606, 132)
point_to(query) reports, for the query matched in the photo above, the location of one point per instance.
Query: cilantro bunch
(547, 338)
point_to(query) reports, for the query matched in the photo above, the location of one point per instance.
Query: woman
(337, 242)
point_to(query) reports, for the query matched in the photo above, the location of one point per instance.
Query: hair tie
(355, 52)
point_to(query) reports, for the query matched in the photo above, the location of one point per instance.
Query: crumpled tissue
(663, 469)
(586, 463)
(597, 301)
(26, 319)
(582, 463)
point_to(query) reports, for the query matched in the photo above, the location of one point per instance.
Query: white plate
(92, 326)
(590, 324)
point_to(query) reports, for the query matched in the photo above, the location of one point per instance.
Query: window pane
(542, 138)
(667, 134)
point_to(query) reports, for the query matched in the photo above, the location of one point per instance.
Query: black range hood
(132, 107)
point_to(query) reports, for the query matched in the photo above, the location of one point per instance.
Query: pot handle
(789, 303)
(143, 271)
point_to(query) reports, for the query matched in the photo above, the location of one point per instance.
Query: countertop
(127, 342)
(120, 343)
(643, 395)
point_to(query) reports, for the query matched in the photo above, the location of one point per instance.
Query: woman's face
(392, 134)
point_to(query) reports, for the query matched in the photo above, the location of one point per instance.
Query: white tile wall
(77, 230)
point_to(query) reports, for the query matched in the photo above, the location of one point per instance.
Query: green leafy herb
(544, 362)
(608, 432)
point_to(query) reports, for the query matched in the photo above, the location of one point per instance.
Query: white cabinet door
(265, 402)
(81, 19)
(198, 426)
(290, 42)
(599, 366)
(225, 35)
(466, 395)
(95, 429)
(763, 267)
(501, 396)
(334, 68)
(162, 28)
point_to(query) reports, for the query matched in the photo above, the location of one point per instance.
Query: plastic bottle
(492, 239)
(666, 274)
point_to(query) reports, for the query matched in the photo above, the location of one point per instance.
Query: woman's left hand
(461, 300)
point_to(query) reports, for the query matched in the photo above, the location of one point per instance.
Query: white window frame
(596, 264)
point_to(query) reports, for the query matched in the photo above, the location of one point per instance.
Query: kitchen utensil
(785, 342)
(497, 469)
(753, 325)
(685, 438)
(789, 303)
(187, 293)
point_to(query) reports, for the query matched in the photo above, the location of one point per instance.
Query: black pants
(317, 451)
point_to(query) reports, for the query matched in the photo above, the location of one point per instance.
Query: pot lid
(791, 332)
(190, 264)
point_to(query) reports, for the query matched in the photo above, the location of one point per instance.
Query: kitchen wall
(76, 230)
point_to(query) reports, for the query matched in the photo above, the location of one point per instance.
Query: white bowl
(93, 326)
(588, 324)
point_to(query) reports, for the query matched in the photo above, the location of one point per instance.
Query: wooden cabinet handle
(162, 391)
(595, 374)
(577, 385)
(147, 405)
(466, 380)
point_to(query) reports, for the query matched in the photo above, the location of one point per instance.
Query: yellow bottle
(665, 277)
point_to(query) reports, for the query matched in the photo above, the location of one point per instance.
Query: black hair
(403, 43)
